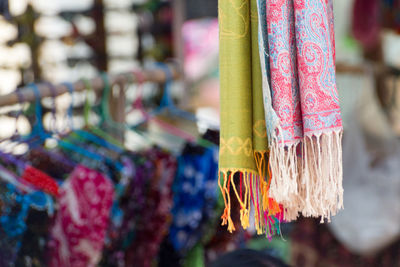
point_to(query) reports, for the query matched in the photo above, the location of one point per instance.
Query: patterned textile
(14, 209)
(80, 225)
(127, 209)
(243, 142)
(304, 125)
(194, 197)
(155, 213)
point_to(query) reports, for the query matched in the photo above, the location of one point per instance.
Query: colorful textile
(40, 180)
(154, 215)
(366, 29)
(243, 142)
(80, 225)
(14, 209)
(302, 106)
(127, 210)
(195, 197)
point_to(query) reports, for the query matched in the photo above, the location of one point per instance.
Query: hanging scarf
(243, 142)
(303, 115)
(80, 225)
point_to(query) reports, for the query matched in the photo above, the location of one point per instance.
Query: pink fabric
(304, 123)
(302, 67)
(80, 227)
(366, 22)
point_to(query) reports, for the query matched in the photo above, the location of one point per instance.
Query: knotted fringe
(307, 176)
(253, 191)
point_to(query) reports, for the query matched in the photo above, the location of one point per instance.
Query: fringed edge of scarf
(253, 191)
(310, 183)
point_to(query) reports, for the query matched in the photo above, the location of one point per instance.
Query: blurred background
(66, 40)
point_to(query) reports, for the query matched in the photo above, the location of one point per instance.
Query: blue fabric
(15, 207)
(195, 195)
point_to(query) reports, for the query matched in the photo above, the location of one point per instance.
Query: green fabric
(241, 101)
(195, 257)
(277, 246)
(260, 141)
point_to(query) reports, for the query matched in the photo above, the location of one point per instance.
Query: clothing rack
(156, 75)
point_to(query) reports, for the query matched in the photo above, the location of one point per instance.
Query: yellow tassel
(259, 184)
(224, 216)
(244, 218)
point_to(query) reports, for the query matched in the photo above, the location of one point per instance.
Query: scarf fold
(243, 143)
(301, 103)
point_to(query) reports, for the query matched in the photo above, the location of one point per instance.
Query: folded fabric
(304, 124)
(243, 142)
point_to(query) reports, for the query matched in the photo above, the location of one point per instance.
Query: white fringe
(311, 183)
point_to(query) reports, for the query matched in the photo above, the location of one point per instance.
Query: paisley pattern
(304, 126)
(302, 67)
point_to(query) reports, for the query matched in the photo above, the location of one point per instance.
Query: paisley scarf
(243, 141)
(304, 124)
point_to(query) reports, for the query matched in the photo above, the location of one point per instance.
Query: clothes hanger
(93, 128)
(86, 135)
(16, 135)
(147, 116)
(30, 175)
(54, 132)
(106, 114)
(38, 133)
(167, 105)
(38, 130)
(68, 142)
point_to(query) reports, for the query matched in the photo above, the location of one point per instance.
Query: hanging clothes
(302, 106)
(155, 215)
(286, 48)
(33, 250)
(14, 209)
(127, 209)
(243, 143)
(366, 29)
(194, 196)
(81, 222)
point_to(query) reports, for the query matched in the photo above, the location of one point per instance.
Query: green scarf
(243, 142)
